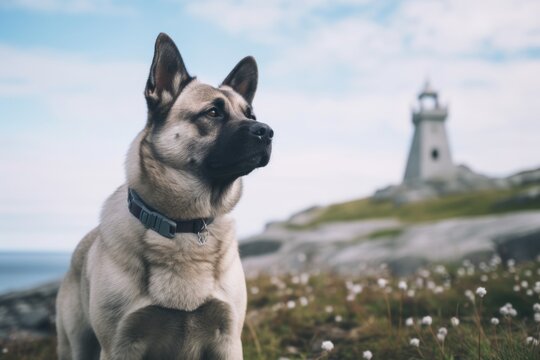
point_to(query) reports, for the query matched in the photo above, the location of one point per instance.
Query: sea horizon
(21, 270)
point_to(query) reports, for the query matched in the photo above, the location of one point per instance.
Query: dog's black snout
(261, 130)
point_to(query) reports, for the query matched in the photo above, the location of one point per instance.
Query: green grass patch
(450, 206)
(391, 232)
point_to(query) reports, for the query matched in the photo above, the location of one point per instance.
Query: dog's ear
(168, 74)
(243, 78)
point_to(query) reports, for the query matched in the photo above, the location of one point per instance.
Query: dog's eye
(213, 112)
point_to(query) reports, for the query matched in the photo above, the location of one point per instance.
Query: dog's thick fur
(131, 293)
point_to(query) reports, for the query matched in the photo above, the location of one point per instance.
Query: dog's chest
(181, 274)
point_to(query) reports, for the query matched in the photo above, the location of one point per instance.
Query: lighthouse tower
(429, 156)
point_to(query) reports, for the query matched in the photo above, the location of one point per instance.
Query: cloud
(337, 84)
(458, 26)
(441, 27)
(64, 154)
(70, 6)
(271, 21)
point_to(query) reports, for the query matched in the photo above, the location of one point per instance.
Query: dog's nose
(261, 130)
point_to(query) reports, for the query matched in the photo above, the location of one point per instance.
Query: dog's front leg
(154, 332)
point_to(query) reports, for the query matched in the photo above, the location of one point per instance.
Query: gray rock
(29, 311)
(347, 247)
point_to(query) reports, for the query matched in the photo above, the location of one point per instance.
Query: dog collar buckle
(152, 219)
(202, 235)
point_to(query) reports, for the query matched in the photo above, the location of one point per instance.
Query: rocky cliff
(407, 226)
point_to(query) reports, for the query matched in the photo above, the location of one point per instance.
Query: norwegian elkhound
(160, 277)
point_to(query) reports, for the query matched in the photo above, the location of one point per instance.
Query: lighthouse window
(434, 154)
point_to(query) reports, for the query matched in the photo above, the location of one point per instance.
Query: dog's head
(209, 132)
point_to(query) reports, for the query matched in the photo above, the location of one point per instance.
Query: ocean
(24, 270)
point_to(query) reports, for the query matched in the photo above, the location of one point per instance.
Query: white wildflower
(454, 321)
(350, 297)
(4, 351)
(536, 307)
(382, 283)
(427, 320)
(443, 331)
(357, 288)
(469, 294)
(440, 269)
(524, 284)
(537, 317)
(414, 342)
(291, 304)
(367, 355)
(516, 288)
(411, 293)
(338, 318)
(303, 301)
(494, 321)
(508, 310)
(409, 321)
(484, 278)
(329, 309)
(327, 345)
(254, 290)
(481, 292)
(530, 292)
(402, 285)
(441, 337)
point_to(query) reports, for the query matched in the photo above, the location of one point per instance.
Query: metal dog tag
(202, 235)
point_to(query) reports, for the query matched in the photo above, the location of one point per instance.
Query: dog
(160, 276)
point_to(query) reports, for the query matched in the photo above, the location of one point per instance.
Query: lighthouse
(429, 155)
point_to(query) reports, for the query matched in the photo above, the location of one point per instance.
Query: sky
(337, 82)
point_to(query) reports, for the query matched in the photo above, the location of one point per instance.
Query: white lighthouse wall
(412, 171)
(434, 150)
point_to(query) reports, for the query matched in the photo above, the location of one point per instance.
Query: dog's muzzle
(240, 149)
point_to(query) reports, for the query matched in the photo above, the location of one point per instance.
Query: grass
(391, 232)
(374, 319)
(290, 316)
(450, 206)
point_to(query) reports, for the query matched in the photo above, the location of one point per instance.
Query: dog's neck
(175, 193)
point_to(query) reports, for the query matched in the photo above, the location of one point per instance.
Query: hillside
(406, 227)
